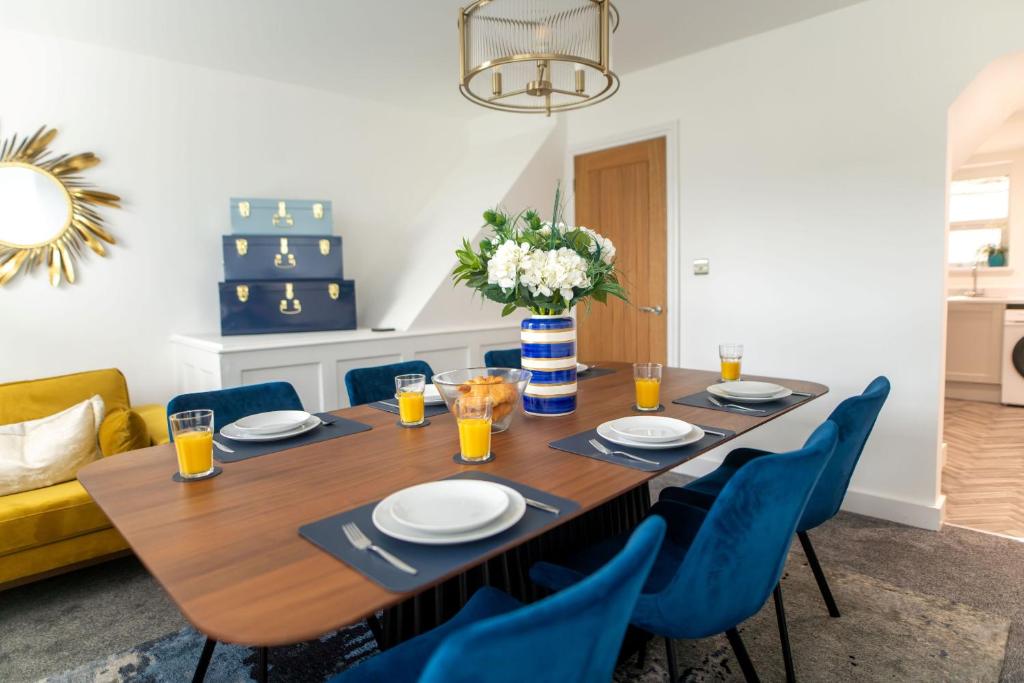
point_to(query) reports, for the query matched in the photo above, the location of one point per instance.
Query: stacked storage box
(283, 270)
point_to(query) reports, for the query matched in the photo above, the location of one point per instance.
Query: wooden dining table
(227, 549)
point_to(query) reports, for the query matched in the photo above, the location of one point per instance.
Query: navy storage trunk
(267, 306)
(298, 257)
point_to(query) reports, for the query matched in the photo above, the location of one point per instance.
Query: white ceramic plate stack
(449, 512)
(651, 432)
(431, 396)
(272, 426)
(745, 391)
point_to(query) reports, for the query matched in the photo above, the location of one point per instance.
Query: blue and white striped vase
(549, 352)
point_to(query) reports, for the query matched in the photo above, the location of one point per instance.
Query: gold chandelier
(537, 56)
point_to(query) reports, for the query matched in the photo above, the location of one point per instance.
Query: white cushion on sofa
(49, 450)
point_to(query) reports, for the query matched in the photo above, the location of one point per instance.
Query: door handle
(656, 310)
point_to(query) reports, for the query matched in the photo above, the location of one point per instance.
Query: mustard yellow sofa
(58, 528)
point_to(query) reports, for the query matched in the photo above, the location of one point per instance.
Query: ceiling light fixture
(537, 56)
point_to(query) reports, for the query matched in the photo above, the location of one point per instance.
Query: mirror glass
(35, 206)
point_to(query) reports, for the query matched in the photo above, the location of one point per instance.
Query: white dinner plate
(274, 422)
(606, 433)
(650, 428)
(431, 396)
(750, 389)
(716, 390)
(582, 368)
(389, 526)
(235, 434)
(448, 507)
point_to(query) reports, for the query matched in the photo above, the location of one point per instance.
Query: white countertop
(984, 299)
(251, 342)
(989, 295)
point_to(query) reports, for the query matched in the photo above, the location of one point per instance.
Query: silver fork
(718, 403)
(361, 541)
(601, 448)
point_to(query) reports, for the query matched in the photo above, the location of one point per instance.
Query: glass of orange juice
(409, 392)
(731, 356)
(193, 440)
(647, 377)
(473, 414)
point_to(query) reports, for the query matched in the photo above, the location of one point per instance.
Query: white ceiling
(399, 51)
(1009, 137)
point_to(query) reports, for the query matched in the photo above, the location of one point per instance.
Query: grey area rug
(173, 658)
(884, 634)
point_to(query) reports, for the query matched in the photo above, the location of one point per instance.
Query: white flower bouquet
(544, 266)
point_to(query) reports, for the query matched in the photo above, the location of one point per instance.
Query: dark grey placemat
(433, 561)
(596, 372)
(333, 428)
(700, 400)
(428, 411)
(670, 457)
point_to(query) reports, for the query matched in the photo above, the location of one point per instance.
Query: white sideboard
(316, 362)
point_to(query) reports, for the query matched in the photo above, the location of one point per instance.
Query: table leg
(204, 660)
(377, 629)
(261, 664)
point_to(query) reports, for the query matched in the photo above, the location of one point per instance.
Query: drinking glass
(731, 355)
(473, 414)
(647, 377)
(409, 392)
(193, 440)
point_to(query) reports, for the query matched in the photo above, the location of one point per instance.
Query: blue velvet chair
(366, 385)
(229, 405)
(717, 566)
(504, 358)
(855, 418)
(574, 635)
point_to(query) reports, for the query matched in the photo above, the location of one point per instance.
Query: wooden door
(620, 192)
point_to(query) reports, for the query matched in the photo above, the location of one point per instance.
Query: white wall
(176, 142)
(812, 174)
(503, 153)
(534, 188)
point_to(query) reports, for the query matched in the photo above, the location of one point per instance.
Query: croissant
(503, 394)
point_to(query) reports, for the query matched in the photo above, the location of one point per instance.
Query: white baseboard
(895, 510)
(860, 502)
(974, 391)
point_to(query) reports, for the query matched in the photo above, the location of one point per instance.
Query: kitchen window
(979, 212)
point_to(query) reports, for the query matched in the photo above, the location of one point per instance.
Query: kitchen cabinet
(974, 343)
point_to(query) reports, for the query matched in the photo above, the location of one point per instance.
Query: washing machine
(1013, 355)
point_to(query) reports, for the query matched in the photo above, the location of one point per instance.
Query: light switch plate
(701, 266)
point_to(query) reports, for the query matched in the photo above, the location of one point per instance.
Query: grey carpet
(884, 634)
(969, 579)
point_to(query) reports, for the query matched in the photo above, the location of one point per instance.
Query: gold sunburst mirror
(48, 213)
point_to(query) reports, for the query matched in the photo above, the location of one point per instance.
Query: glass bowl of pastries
(504, 386)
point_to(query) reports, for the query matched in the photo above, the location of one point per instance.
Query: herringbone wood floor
(984, 475)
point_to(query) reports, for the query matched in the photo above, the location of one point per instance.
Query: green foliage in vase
(546, 267)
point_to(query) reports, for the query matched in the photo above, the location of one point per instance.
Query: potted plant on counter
(547, 268)
(996, 254)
